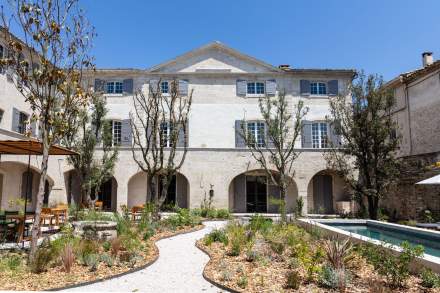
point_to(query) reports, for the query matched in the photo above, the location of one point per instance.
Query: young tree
(86, 131)
(160, 128)
(275, 150)
(46, 67)
(366, 157)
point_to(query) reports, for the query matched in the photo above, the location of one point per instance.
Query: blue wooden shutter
(15, 119)
(333, 87)
(241, 87)
(306, 134)
(128, 85)
(240, 194)
(126, 132)
(271, 87)
(239, 139)
(304, 87)
(183, 87)
(99, 85)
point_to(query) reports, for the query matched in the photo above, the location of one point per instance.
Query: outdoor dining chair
(7, 229)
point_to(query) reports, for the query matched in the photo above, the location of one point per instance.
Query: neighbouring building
(417, 113)
(226, 86)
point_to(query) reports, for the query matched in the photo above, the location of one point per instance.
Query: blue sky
(379, 36)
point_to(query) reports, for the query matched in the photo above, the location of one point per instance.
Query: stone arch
(137, 190)
(252, 188)
(14, 173)
(324, 190)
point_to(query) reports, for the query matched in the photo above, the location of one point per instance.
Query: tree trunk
(372, 207)
(283, 192)
(40, 197)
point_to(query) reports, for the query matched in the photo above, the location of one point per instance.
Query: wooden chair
(7, 229)
(136, 212)
(46, 214)
(99, 205)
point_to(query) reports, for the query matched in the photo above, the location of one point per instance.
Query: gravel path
(178, 269)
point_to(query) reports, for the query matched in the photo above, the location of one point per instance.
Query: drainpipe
(409, 117)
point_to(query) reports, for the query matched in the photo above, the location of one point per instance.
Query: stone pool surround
(427, 260)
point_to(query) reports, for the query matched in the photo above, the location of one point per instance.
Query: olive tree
(46, 67)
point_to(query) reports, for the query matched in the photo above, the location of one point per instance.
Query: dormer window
(255, 88)
(318, 88)
(114, 87)
(164, 87)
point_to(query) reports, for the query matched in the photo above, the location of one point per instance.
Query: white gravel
(178, 269)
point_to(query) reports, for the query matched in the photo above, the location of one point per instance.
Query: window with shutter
(116, 132)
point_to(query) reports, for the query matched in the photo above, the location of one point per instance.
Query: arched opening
(254, 192)
(325, 190)
(73, 187)
(22, 183)
(107, 194)
(177, 195)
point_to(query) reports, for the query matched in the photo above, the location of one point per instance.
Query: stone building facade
(417, 113)
(226, 85)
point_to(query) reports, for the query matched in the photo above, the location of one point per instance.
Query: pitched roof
(215, 45)
(410, 76)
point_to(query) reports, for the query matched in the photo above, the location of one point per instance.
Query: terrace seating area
(15, 226)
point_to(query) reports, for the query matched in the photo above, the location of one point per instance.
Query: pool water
(432, 246)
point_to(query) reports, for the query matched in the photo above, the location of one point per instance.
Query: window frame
(22, 123)
(166, 138)
(255, 88)
(117, 87)
(259, 132)
(165, 82)
(318, 88)
(117, 142)
(318, 140)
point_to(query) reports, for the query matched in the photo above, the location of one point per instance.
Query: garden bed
(284, 259)
(91, 260)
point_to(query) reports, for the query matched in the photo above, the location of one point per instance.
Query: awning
(432, 180)
(30, 147)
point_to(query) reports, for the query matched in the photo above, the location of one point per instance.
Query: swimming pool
(392, 236)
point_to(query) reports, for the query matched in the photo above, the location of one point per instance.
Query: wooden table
(57, 212)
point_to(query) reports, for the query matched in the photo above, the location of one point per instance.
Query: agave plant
(339, 253)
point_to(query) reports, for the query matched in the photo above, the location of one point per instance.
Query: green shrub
(93, 215)
(85, 248)
(223, 214)
(42, 258)
(107, 259)
(237, 238)
(216, 235)
(339, 253)
(333, 278)
(106, 245)
(211, 213)
(242, 281)
(91, 261)
(11, 262)
(430, 279)
(130, 242)
(293, 280)
(183, 218)
(260, 223)
(394, 268)
(299, 206)
(196, 212)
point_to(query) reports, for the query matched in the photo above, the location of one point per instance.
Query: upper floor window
(256, 133)
(22, 122)
(320, 135)
(164, 87)
(318, 88)
(166, 130)
(255, 88)
(114, 87)
(116, 132)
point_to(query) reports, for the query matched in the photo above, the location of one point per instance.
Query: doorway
(323, 194)
(170, 200)
(256, 194)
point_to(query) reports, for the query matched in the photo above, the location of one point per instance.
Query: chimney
(427, 58)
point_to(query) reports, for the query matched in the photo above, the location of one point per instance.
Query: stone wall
(408, 200)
